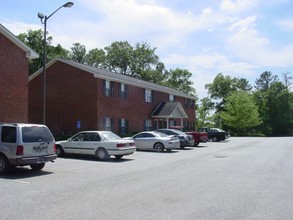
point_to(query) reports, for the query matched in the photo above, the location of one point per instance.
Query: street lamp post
(44, 19)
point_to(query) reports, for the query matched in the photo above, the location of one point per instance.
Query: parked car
(215, 134)
(198, 137)
(153, 140)
(25, 144)
(101, 144)
(185, 139)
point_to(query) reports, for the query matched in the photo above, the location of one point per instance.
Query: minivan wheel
(4, 165)
(159, 147)
(102, 154)
(37, 166)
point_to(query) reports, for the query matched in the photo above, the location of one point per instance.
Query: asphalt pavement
(240, 178)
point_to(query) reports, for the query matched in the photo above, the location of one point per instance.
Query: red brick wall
(13, 82)
(134, 108)
(71, 97)
(75, 95)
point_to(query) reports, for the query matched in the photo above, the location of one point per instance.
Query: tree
(95, 57)
(78, 52)
(143, 61)
(240, 112)
(264, 81)
(275, 105)
(34, 39)
(287, 79)
(180, 79)
(118, 57)
(57, 52)
(202, 117)
(223, 86)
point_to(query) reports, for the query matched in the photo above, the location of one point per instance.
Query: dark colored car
(215, 134)
(186, 140)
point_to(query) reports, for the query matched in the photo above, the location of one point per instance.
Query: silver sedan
(153, 140)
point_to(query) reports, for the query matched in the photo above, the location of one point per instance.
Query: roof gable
(169, 110)
(30, 53)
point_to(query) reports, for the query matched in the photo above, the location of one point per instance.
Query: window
(108, 88)
(123, 91)
(148, 125)
(8, 134)
(148, 95)
(35, 134)
(172, 123)
(189, 103)
(171, 98)
(108, 124)
(79, 137)
(123, 126)
(93, 137)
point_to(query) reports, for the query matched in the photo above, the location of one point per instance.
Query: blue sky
(240, 38)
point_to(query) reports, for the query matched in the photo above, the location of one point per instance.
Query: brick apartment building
(14, 73)
(82, 97)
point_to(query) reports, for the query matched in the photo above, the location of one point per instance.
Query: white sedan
(101, 144)
(152, 140)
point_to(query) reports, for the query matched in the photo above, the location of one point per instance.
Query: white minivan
(25, 144)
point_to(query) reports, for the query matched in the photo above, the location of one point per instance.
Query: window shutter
(104, 87)
(126, 92)
(120, 126)
(104, 123)
(126, 126)
(119, 90)
(112, 124)
(112, 88)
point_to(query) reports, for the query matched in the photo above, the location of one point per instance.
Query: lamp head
(68, 5)
(40, 15)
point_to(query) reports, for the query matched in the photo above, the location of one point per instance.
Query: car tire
(37, 166)
(182, 147)
(4, 165)
(59, 151)
(196, 144)
(215, 139)
(118, 157)
(102, 154)
(159, 147)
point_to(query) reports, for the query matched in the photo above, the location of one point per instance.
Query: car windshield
(36, 134)
(110, 136)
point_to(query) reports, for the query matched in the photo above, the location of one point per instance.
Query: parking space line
(20, 181)
(67, 171)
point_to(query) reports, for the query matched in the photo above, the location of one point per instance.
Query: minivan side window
(8, 134)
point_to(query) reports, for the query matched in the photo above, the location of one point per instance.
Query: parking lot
(240, 178)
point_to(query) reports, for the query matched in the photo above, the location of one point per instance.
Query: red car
(198, 137)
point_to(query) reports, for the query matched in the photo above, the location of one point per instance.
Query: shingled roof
(116, 77)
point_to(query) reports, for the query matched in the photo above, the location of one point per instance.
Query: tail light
(55, 148)
(121, 145)
(19, 150)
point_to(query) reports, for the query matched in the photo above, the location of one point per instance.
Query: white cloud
(238, 5)
(286, 25)
(247, 43)
(17, 27)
